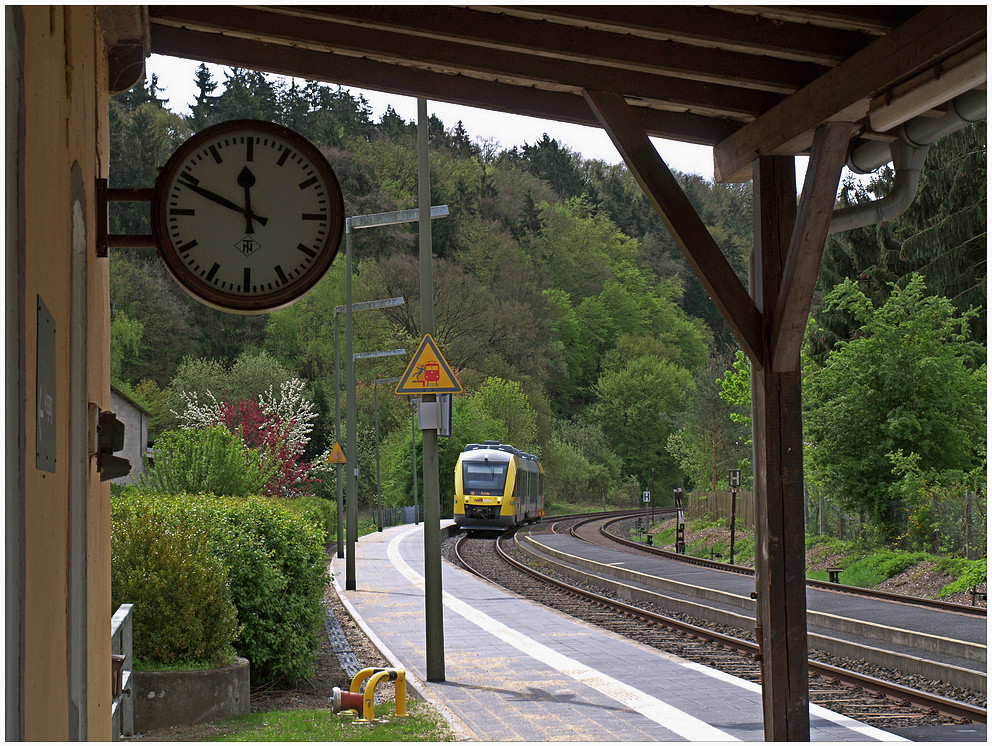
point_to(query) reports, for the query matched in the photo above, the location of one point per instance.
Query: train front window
(480, 476)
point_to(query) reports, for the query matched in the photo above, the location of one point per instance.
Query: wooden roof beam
(410, 81)
(679, 216)
(706, 27)
(852, 17)
(384, 45)
(843, 93)
(623, 51)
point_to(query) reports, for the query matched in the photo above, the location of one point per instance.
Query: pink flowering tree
(277, 427)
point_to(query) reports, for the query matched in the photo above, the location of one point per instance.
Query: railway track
(944, 653)
(922, 659)
(610, 531)
(867, 699)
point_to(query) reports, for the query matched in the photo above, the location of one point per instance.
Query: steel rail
(817, 584)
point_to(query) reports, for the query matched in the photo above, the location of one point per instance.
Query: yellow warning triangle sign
(336, 456)
(428, 372)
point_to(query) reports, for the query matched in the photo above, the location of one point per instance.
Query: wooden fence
(712, 506)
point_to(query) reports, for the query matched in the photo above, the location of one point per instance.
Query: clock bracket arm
(106, 240)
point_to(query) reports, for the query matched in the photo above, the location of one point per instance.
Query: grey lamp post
(351, 224)
(378, 477)
(365, 306)
(352, 397)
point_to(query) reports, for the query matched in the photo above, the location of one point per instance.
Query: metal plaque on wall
(45, 439)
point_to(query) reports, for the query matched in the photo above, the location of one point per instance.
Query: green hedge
(320, 511)
(272, 551)
(183, 614)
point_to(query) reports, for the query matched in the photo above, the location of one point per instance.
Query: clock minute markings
(280, 274)
(212, 272)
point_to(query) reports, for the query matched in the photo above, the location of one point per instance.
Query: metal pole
(413, 428)
(432, 488)
(337, 436)
(352, 420)
(378, 479)
(734, 480)
(733, 521)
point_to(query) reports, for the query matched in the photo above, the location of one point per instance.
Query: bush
(183, 612)
(204, 460)
(273, 554)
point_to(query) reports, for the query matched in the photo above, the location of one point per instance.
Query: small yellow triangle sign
(336, 456)
(428, 372)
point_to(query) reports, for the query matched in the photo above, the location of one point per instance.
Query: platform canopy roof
(748, 80)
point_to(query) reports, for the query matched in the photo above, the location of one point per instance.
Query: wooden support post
(776, 406)
(769, 326)
(808, 236)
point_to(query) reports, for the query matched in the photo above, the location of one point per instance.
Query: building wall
(135, 435)
(63, 540)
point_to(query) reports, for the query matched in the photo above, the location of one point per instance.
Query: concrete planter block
(166, 698)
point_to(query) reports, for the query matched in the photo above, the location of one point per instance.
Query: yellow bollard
(374, 676)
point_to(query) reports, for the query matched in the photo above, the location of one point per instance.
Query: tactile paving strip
(340, 644)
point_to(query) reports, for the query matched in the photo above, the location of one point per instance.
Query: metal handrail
(122, 643)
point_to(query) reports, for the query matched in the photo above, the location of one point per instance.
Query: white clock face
(248, 216)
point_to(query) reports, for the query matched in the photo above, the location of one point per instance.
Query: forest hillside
(569, 315)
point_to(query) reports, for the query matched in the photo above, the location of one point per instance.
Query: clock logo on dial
(247, 216)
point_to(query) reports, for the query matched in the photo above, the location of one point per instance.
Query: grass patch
(967, 573)
(665, 537)
(141, 665)
(743, 549)
(879, 567)
(556, 508)
(707, 549)
(422, 724)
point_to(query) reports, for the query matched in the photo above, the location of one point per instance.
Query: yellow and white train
(497, 487)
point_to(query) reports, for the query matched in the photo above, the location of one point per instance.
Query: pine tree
(943, 237)
(145, 92)
(549, 160)
(247, 95)
(201, 112)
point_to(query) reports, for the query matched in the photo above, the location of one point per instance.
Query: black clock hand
(223, 201)
(246, 179)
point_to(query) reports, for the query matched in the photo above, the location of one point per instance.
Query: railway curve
(730, 648)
